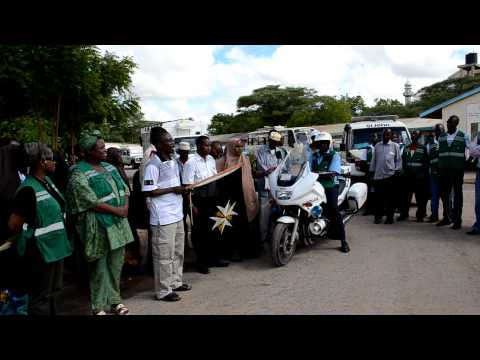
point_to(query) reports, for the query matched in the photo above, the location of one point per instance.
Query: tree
(327, 110)
(273, 105)
(390, 107)
(66, 88)
(356, 104)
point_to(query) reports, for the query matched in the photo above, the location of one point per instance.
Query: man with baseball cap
(265, 161)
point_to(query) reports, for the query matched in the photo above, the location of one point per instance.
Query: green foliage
(63, 89)
(390, 107)
(273, 105)
(439, 92)
(356, 104)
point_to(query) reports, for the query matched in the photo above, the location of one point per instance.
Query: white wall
(468, 110)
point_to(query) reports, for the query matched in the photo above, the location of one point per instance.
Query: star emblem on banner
(224, 216)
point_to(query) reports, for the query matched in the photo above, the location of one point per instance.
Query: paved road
(404, 268)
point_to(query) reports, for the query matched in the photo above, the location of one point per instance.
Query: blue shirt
(335, 165)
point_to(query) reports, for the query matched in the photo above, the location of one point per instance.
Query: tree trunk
(56, 123)
(39, 121)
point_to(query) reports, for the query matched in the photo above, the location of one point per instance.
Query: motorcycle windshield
(292, 167)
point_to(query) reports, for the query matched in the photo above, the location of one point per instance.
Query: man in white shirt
(199, 167)
(161, 182)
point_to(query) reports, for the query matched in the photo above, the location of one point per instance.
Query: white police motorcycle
(301, 200)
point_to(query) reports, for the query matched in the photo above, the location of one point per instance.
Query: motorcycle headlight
(284, 195)
(316, 211)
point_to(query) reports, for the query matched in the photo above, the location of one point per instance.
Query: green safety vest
(102, 188)
(324, 166)
(416, 164)
(451, 157)
(433, 158)
(48, 230)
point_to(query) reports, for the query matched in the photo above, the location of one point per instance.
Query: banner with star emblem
(229, 214)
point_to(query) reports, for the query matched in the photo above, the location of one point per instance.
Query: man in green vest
(451, 163)
(324, 159)
(432, 150)
(415, 178)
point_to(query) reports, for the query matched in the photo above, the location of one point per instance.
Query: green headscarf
(88, 140)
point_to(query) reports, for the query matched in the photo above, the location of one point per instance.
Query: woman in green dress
(97, 200)
(38, 219)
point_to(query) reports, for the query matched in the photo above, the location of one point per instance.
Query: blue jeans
(435, 191)
(476, 226)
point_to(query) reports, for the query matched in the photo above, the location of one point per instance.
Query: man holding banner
(198, 168)
(225, 206)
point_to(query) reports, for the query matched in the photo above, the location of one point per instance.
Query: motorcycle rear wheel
(282, 252)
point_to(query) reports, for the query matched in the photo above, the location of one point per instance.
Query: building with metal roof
(466, 106)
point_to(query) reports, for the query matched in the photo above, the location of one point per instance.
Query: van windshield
(361, 137)
(301, 137)
(190, 140)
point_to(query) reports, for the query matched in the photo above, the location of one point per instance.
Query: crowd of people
(91, 209)
(431, 171)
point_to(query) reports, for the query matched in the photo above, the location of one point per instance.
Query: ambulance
(357, 134)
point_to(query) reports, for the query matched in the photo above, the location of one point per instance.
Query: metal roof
(449, 102)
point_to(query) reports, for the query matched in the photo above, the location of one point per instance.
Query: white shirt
(475, 150)
(197, 169)
(168, 208)
(451, 137)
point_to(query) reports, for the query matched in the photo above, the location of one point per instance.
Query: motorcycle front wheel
(282, 251)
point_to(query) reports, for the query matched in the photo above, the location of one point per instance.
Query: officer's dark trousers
(386, 197)
(337, 228)
(419, 187)
(452, 180)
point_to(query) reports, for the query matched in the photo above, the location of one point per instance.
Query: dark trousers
(419, 187)
(386, 198)
(204, 241)
(337, 228)
(452, 181)
(44, 281)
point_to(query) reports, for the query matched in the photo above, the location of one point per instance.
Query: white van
(290, 136)
(132, 154)
(356, 137)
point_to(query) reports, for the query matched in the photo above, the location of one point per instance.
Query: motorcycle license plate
(285, 177)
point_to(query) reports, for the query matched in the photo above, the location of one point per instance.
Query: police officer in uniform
(325, 159)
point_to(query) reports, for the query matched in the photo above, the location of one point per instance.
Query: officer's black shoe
(402, 218)
(419, 220)
(432, 220)
(473, 232)
(377, 220)
(457, 226)
(344, 248)
(389, 221)
(444, 222)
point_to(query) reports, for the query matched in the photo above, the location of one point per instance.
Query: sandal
(120, 309)
(101, 312)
